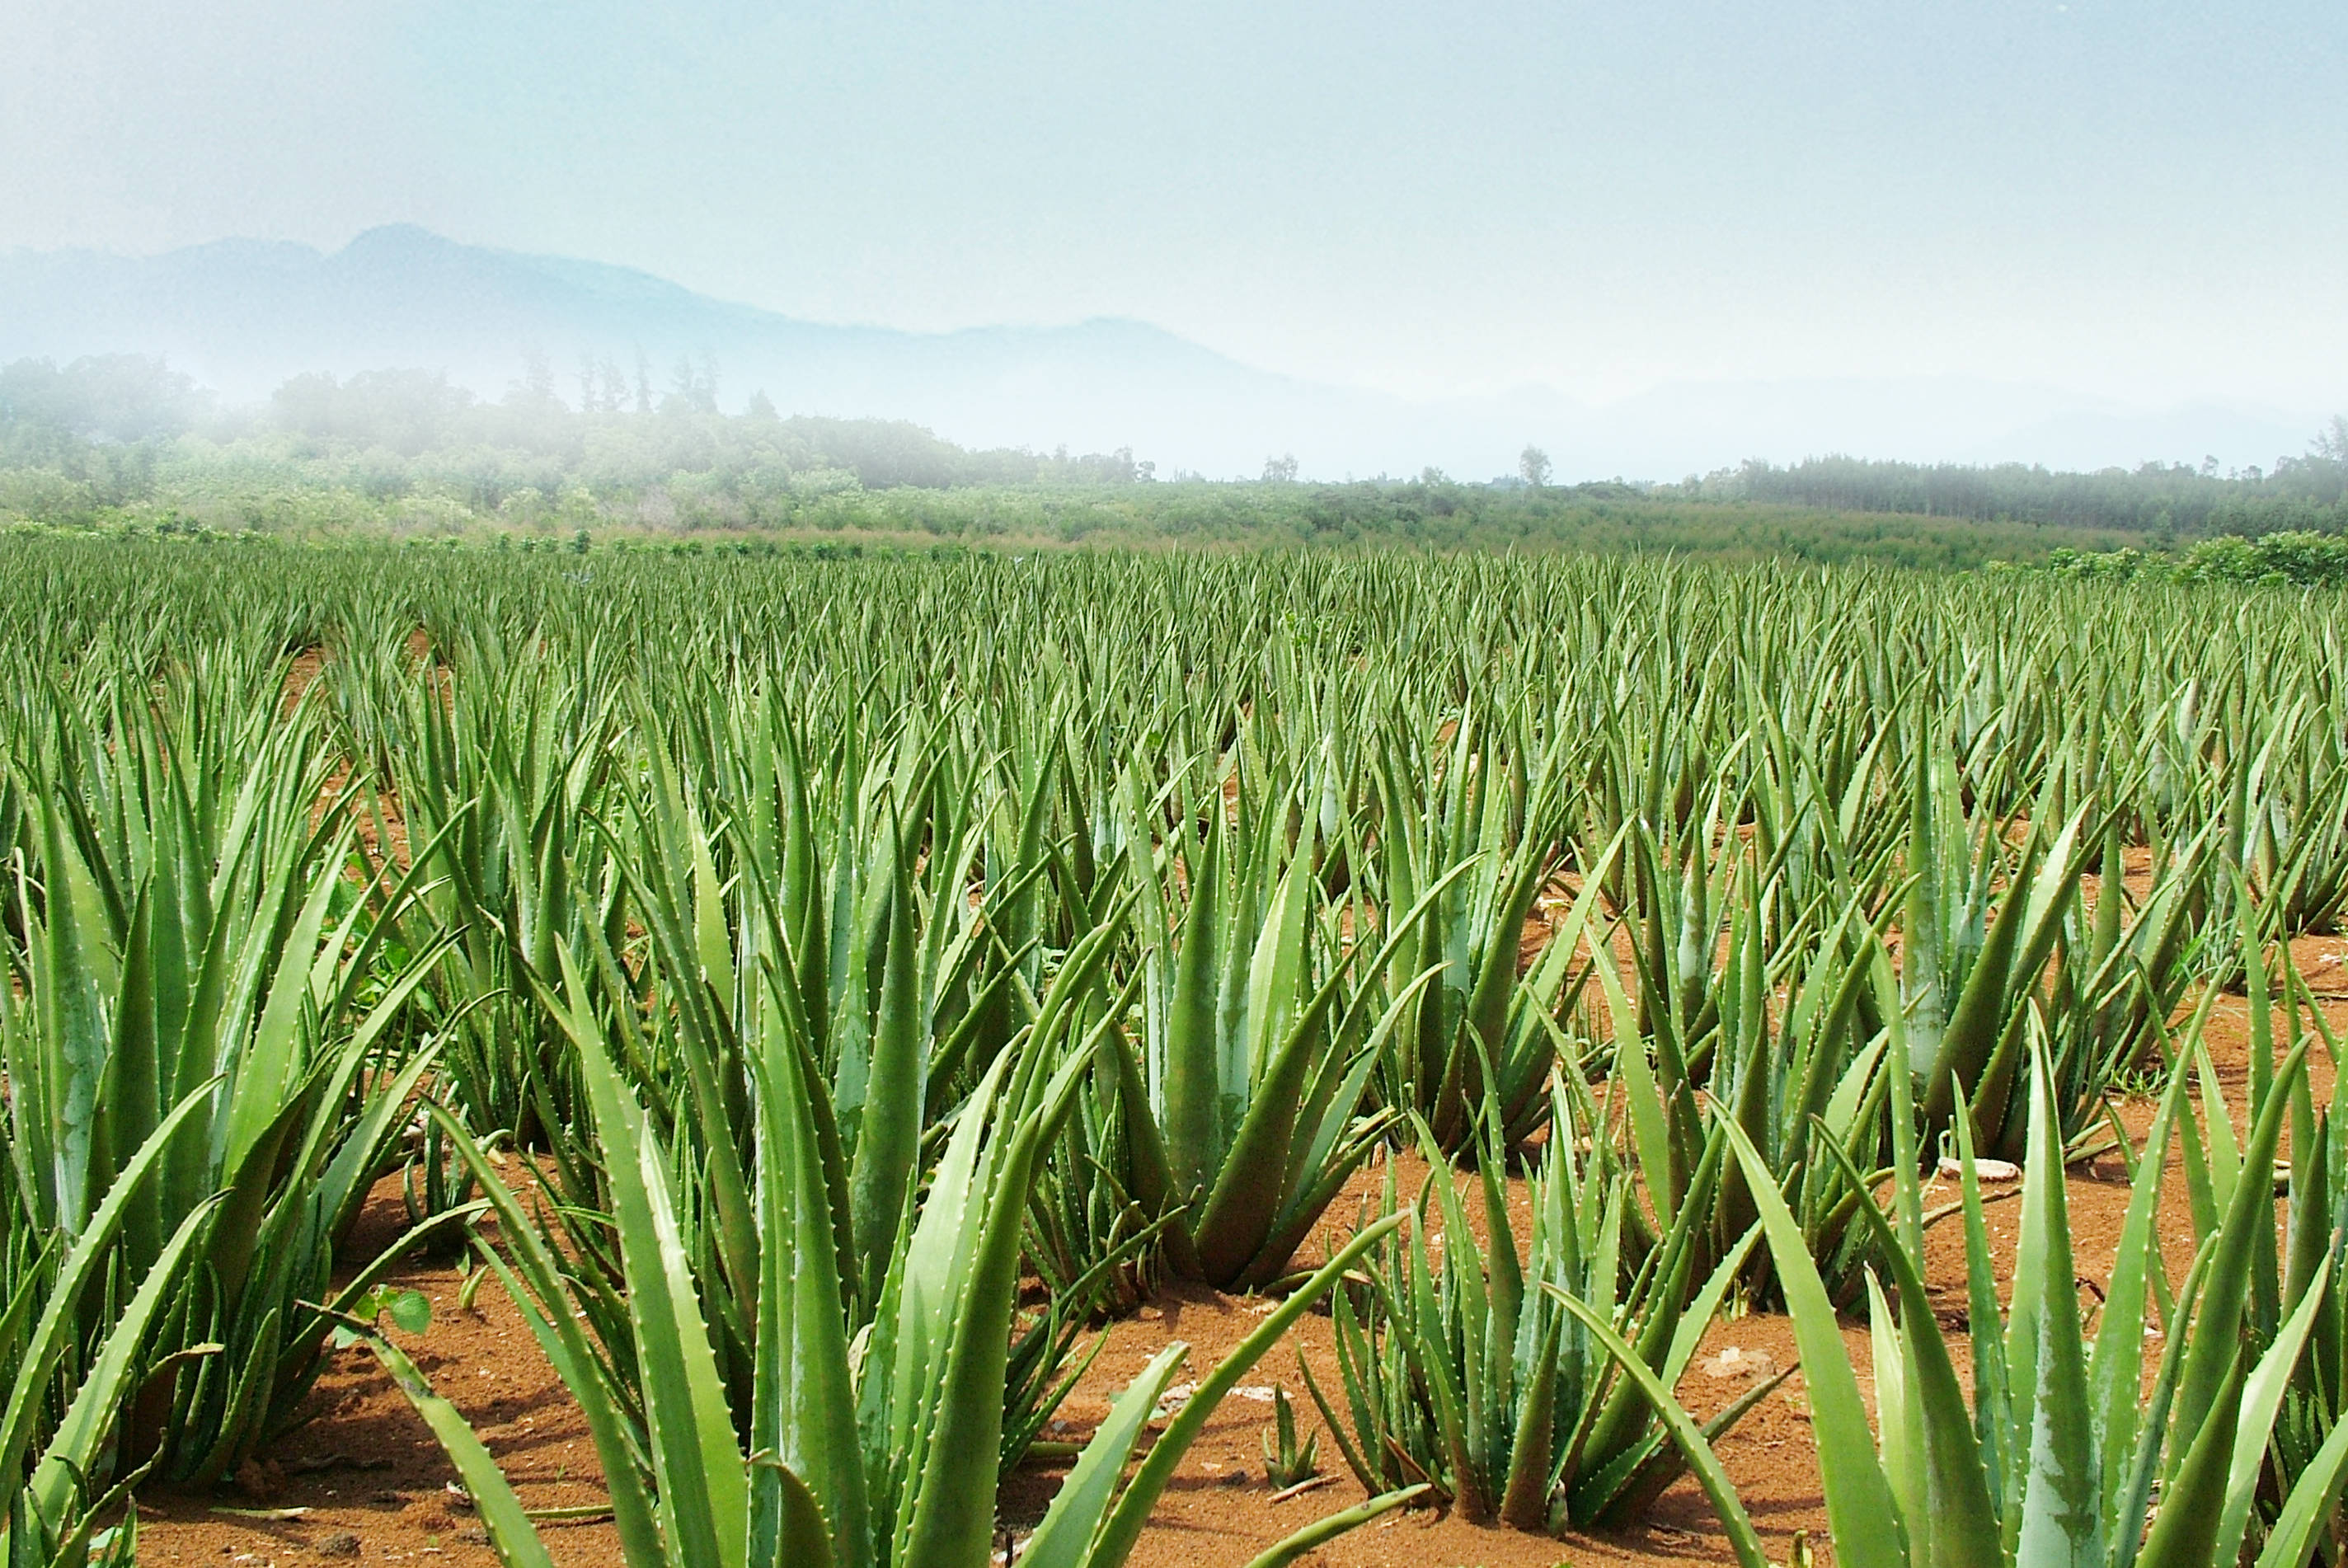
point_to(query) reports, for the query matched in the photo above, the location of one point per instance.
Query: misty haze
(241, 317)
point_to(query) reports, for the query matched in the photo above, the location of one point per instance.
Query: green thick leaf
(1064, 1538)
(1319, 1532)
(889, 1137)
(2185, 1531)
(2251, 1205)
(1860, 1509)
(1717, 1487)
(2262, 1398)
(804, 1404)
(2116, 1373)
(952, 1516)
(511, 1533)
(2063, 1481)
(1650, 1126)
(1193, 1087)
(702, 1489)
(1963, 1526)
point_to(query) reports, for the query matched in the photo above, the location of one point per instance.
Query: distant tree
(644, 382)
(1117, 468)
(404, 411)
(761, 407)
(1280, 471)
(107, 397)
(537, 383)
(693, 388)
(1533, 465)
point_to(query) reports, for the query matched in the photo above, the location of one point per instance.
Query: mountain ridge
(242, 316)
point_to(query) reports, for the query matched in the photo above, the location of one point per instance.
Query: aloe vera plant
(68, 1384)
(1779, 1036)
(1968, 974)
(498, 777)
(2054, 1460)
(1477, 1033)
(1243, 1101)
(183, 923)
(1470, 1375)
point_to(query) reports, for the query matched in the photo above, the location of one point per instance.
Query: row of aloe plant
(184, 935)
(1298, 882)
(73, 1354)
(2059, 1448)
(828, 1455)
(1462, 1369)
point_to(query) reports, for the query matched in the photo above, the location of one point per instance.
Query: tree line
(2168, 500)
(123, 437)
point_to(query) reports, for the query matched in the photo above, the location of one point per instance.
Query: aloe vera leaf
(1321, 1532)
(2227, 1292)
(2116, 1373)
(1245, 1202)
(1069, 1525)
(1963, 1525)
(1650, 1126)
(1859, 1506)
(2062, 1494)
(953, 1513)
(2263, 1397)
(510, 1531)
(703, 1493)
(804, 1405)
(1717, 1487)
(2185, 1530)
(888, 1138)
(1192, 1090)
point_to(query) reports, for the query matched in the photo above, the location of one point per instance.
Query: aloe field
(1635, 1060)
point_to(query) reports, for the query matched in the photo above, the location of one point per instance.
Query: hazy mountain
(242, 316)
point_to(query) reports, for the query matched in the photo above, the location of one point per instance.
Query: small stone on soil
(1987, 1170)
(1735, 1362)
(1170, 1403)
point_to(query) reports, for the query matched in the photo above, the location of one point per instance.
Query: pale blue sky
(2146, 199)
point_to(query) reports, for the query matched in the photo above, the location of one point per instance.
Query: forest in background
(122, 441)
